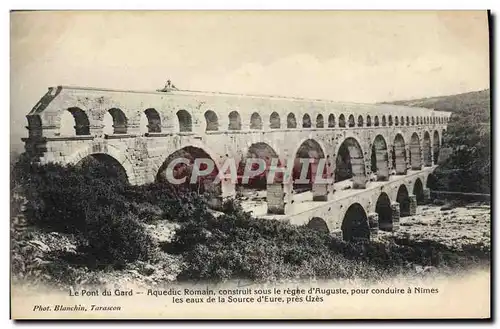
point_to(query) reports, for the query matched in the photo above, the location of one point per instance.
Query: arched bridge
(378, 155)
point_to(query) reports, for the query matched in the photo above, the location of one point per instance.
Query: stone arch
(306, 121)
(259, 150)
(384, 122)
(153, 120)
(320, 123)
(435, 146)
(399, 155)
(376, 123)
(212, 121)
(355, 224)
(234, 121)
(407, 120)
(308, 149)
(185, 121)
(418, 121)
(120, 121)
(291, 121)
(403, 198)
(274, 121)
(413, 121)
(331, 121)
(390, 120)
(318, 224)
(360, 121)
(427, 149)
(384, 211)
(380, 158)
(418, 191)
(255, 121)
(402, 120)
(415, 152)
(204, 183)
(120, 156)
(350, 163)
(114, 168)
(74, 122)
(342, 121)
(396, 120)
(351, 121)
(368, 121)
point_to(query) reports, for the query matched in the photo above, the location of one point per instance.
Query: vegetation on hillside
(468, 168)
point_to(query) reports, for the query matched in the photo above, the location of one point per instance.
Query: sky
(339, 55)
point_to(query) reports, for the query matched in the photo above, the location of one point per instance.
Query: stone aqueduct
(391, 149)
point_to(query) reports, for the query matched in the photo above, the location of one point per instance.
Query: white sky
(344, 56)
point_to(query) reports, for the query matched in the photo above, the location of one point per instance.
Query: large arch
(119, 121)
(291, 121)
(384, 211)
(212, 121)
(306, 121)
(274, 121)
(309, 149)
(415, 152)
(259, 150)
(427, 149)
(184, 169)
(418, 191)
(185, 121)
(320, 123)
(104, 166)
(403, 199)
(380, 158)
(399, 155)
(74, 122)
(318, 224)
(435, 146)
(154, 120)
(355, 224)
(255, 121)
(234, 121)
(350, 163)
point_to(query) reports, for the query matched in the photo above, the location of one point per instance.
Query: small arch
(351, 121)
(255, 121)
(342, 121)
(318, 224)
(403, 199)
(396, 120)
(331, 121)
(355, 224)
(212, 121)
(402, 120)
(185, 121)
(418, 191)
(306, 121)
(376, 123)
(384, 211)
(407, 120)
(291, 122)
(368, 121)
(274, 121)
(413, 121)
(74, 121)
(119, 121)
(319, 121)
(384, 122)
(390, 120)
(234, 121)
(154, 120)
(360, 121)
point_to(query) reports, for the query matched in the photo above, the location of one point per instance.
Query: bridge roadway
(331, 214)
